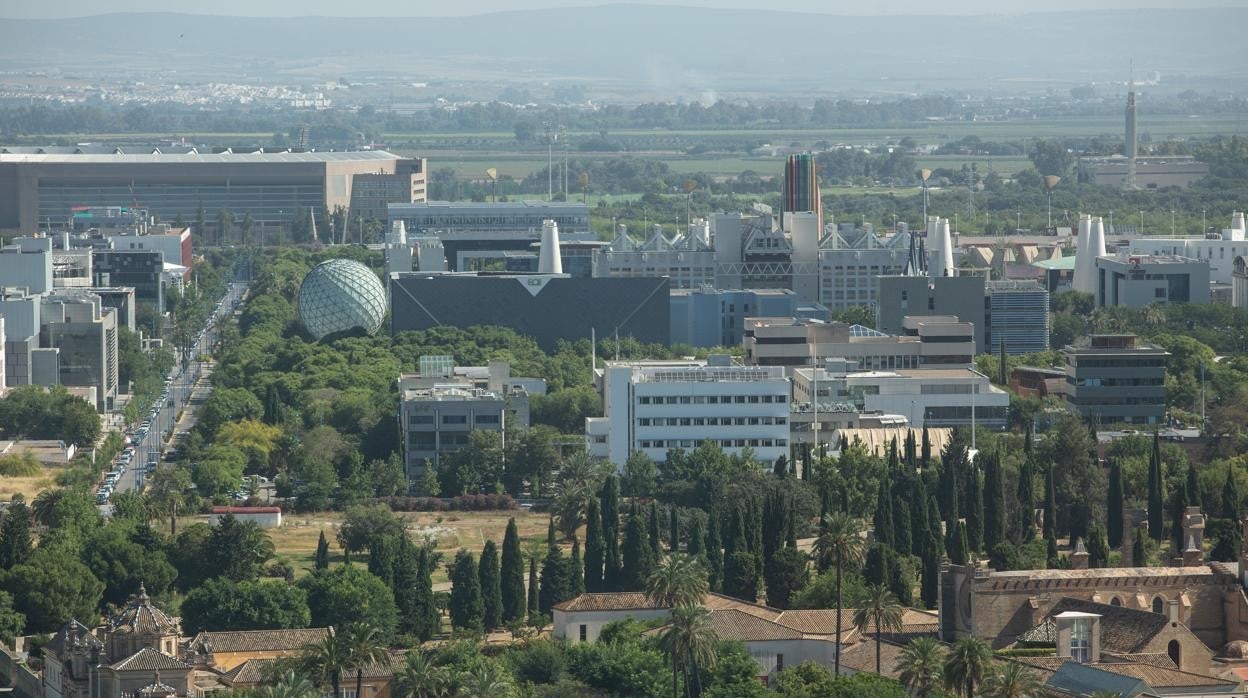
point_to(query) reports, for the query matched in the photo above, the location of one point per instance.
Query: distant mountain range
(677, 49)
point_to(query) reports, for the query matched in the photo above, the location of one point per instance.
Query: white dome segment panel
(339, 295)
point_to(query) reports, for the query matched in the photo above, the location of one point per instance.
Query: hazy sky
(395, 8)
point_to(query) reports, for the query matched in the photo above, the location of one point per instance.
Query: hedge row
(467, 502)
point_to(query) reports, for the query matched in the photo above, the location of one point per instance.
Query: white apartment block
(1219, 250)
(655, 406)
(934, 341)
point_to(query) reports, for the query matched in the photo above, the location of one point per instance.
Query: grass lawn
(28, 487)
(296, 540)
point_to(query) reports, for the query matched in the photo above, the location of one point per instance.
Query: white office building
(1219, 250)
(655, 406)
(937, 397)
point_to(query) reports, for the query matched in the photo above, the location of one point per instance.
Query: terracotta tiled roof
(861, 657)
(732, 624)
(817, 621)
(148, 659)
(258, 671)
(257, 640)
(1160, 677)
(1158, 659)
(610, 601)
(1123, 630)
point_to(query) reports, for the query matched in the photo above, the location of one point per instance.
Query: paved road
(186, 390)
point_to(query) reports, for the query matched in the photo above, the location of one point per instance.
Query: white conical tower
(946, 248)
(1082, 280)
(1237, 222)
(1096, 250)
(549, 260)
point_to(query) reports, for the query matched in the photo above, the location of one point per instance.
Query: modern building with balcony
(657, 406)
(924, 342)
(1115, 378)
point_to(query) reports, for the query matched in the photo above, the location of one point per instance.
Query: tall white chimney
(549, 260)
(1082, 280)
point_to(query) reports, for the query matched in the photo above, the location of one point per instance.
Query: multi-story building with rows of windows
(656, 406)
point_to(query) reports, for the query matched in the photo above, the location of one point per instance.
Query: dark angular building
(545, 307)
(141, 269)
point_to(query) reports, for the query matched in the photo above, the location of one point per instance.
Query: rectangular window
(584, 633)
(1080, 641)
(779, 661)
(643, 400)
(420, 419)
(454, 419)
(489, 419)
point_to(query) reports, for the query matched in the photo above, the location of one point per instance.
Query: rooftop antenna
(925, 174)
(1129, 147)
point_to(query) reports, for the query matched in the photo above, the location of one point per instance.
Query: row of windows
(709, 421)
(1114, 382)
(723, 443)
(711, 399)
(453, 419)
(429, 441)
(1085, 362)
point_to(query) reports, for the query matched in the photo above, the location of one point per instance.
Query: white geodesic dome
(339, 295)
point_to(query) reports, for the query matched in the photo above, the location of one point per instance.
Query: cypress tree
(958, 546)
(1139, 555)
(611, 534)
(637, 554)
(382, 556)
(1177, 506)
(781, 467)
(807, 465)
(1098, 548)
(551, 540)
(1050, 504)
(975, 509)
(994, 502)
(775, 514)
(894, 459)
(466, 606)
(534, 602)
(714, 552)
(413, 591)
(1052, 560)
(1113, 507)
(321, 563)
(1026, 501)
(696, 547)
(576, 570)
(594, 549)
(512, 575)
(1027, 437)
(918, 516)
(652, 534)
(1230, 496)
(911, 455)
(556, 584)
(929, 585)
(878, 564)
(741, 576)
(899, 583)
(934, 524)
(902, 535)
(947, 481)
(883, 516)
(925, 453)
(1080, 523)
(1156, 527)
(1193, 487)
(754, 531)
(491, 587)
(673, 529)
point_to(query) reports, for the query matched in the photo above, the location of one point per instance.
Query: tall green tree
(595, 548)
(466, 607)
(1139, 555)
(365, 647)
(959, 548)
(1098, 548)
(1050, 503)
(512, 574)
(968, 662)
(918, 516)
(881, 610)
(775, 523)
(925, 452)
(534, 601)
(638, 555)
(1025, 524)
(994, 502)
(1156, 527)
(652, 533)
(419, 616)
(714, 551)
(920, 666)
(1113, 508)
(16, 544)
(679, 580)
(490, 577)
(612, 571)
(929, 580)
(690, 643)
(883, 516)
(326, 660)
(975, 508)
(576, 570)
(673, 529)
(349, 594)
(840, 542)
(1178, 505)
(322, 553)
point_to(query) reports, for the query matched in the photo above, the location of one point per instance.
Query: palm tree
(919, 666)
(966, 665)
(289, 684)
(691, 643)
(1012, 680)
(680, 580)
(324, 661)
(363, 647)
(882, 610)
(486, 680)
(840, 542)
(421, 678)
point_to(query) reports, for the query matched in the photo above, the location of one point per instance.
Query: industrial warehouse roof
(158, 158)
